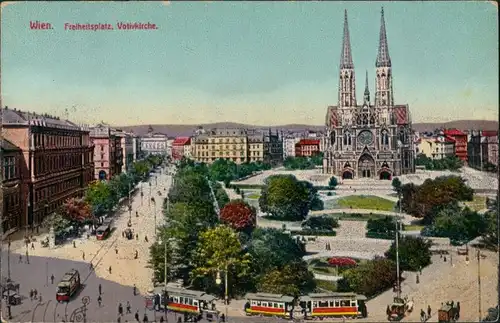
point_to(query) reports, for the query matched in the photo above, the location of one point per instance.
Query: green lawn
(353, 216)
(326, 285)
(367, 202)
(322, 267)
(477, 204)
(253, 196)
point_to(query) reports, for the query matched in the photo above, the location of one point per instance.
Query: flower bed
(342, 262)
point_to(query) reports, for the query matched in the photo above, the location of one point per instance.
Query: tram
(68, 286)
(322, 305)
(191, 303)
(269, 305)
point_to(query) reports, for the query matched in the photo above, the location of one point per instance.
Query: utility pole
(398, 282)
(479, 283)
(129, 204)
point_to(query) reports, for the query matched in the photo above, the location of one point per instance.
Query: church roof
(383, 58)
(346, 55)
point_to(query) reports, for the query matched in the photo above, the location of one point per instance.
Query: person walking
(20, 259)
(162, 319)
(99, 300)
(52, 279)
(128, 308)
(134, 290)
(100, 289)
(83, 255)
(27, 258)
(136, 316)
(109, 269)
(31, 294)
(120, 309)
(116, 250)
(145, 318)
(429, 311)
(119, 319)
(32, 246)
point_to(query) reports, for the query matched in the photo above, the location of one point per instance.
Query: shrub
(385, 225)
(321, 222)
(342, 262)
(333, 182)
(325, 233)
(329, 194)
(380, 235)
(371, 277)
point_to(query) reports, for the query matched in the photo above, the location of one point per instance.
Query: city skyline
(252, 63)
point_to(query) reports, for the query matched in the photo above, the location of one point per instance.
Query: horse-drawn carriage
(450, 312)
(397, 310)
(129, 234)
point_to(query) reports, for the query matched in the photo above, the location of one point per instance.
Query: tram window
(354, 303)
(323, 303)
(259, 303)
(253, 303)
(315, 304)
(280, 305)
(264, 304)
(176, 300)
(275, 305)
(332, 304)
(344, 303)
(171, 299)
(189, 301)
(195, 302)
(337, 303)
(181, 300)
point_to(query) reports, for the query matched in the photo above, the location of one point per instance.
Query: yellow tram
(269, 304)
(321, 305)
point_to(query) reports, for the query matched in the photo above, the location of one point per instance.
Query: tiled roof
(489, 133)
(8, 146)
(304, 142)
(453, 132)
(11, 116)
(181, 141)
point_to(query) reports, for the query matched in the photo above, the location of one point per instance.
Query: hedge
(261, 186)
(379, 235)
(314, 233)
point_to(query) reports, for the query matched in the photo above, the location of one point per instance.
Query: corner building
(374, 139)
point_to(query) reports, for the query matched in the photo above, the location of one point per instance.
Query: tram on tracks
(193, 304)
(68, 286)
(314, 306)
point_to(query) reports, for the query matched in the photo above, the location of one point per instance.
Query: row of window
(58, 162)
(10, 168)
(42, 140)
(183, 300)
(44, 193)
(211, 160)
(11, 201)
(335, 303)
(267, 304)
(221, 153)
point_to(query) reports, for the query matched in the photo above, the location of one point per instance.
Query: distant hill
(176, 130)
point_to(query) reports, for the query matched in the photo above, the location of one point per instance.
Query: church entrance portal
(102, 175)
(385, 175)
(347, 175)
(366, 166)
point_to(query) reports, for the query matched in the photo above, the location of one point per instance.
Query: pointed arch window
(332, 138)
(385, 138)
(347, 138)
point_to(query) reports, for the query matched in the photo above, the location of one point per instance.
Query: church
(371, 140)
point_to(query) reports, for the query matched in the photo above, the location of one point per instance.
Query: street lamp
(154, 211)
(218, 281)
(149, 202)
(129, 203)
(142, 194)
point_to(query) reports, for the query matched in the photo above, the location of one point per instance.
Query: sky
(262, 63)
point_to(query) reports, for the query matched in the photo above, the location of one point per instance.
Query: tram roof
(315, 296)
(68, 275)
(185, 293)
(269, 297)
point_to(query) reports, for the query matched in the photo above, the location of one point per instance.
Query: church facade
(372, 139)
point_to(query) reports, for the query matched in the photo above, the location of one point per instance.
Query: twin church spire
(347, 87)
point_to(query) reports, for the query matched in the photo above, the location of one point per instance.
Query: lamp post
(218, 281)
(129, 203)
(149, 201)
(142, 195)
(398, 281)
(154, 211)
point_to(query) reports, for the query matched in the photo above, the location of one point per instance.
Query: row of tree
(101, 197)
(225, 170)
(452, 163)
(294, 163)
(201, 246)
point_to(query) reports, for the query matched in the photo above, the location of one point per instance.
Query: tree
(189, 186)
(320, 223)
(284, 197)
(396, 185)
(460, 225)
(333, 182)
(219, 249)
(100, 197)
(293, 279)
(77, 210)
(239, 215)
(371, 277)
(222, 170)
(220, 194)
(414, 253)
(272, 248)
(385, 225)
(58, 223)
(141, 169)
(298, 163)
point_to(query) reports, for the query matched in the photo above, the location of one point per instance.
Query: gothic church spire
(367, 90)
(383, 58)
(346, 56)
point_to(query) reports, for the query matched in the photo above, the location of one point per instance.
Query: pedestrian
(74, 244)
(83, 255)
(422, 315)
(136, 214)
(119, 319)
(27, 257)
(99, 300)
(123, 234)
(52, 279)
(136, 254)
(100, 289)
(128, 308)
(223, 318)
(134, 290)
(162, 319)
(35, 293)
(20, 259)
(91, 266)
(136, 316)
(429, 311)
(32, 246)
(420, 270)
(146, 238)
(116, 250)
(31, 294)
(145, 318)
(40, 298)
(109, 269)
(136, 236)
(120, 309)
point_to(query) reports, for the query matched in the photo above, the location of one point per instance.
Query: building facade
(127, 149)
(460, 139)
(136, 146)
(105, 155)
(154, 144)
(436, 147)
(57, 161)
(12, 217)
(180, 147)
(482, 149)
(307, 148)
(289, 142)
(237, 145)
(368, 140)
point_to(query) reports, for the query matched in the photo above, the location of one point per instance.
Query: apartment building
(108, 155)
(436, 147)
(460, 139)
(482, 149)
